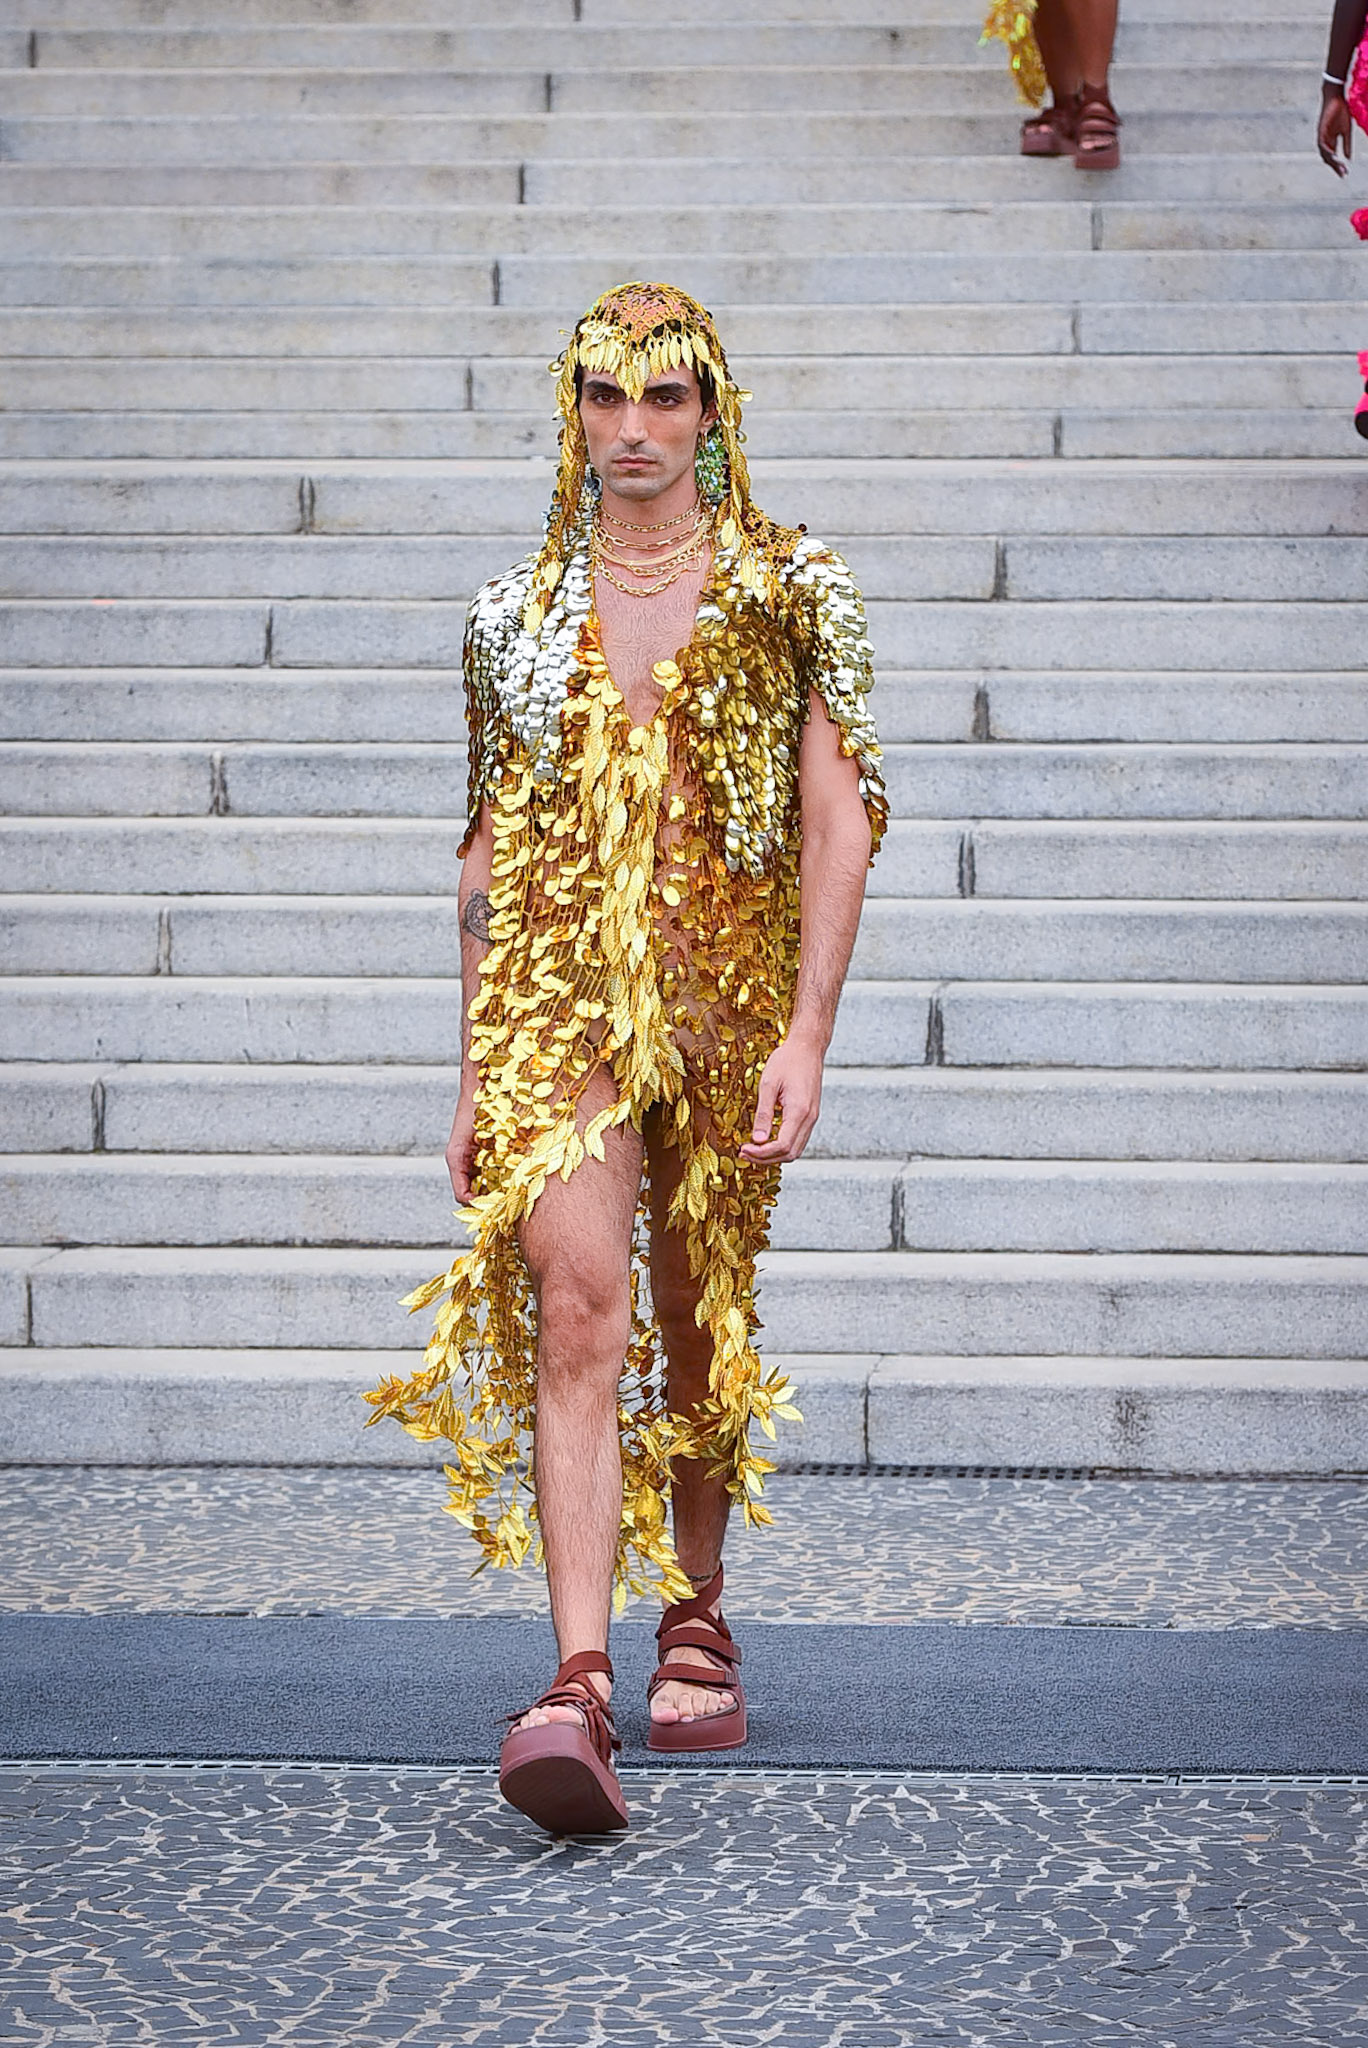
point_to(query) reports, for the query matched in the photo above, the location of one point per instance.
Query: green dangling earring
(711, 467)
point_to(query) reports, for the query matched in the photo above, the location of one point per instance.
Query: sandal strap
(690, 1674)
(695, 1609)
(571, 1688)
(688, 1625)
(1054, 116)
(584, 1661)
(692, 1635)
(1095, 111)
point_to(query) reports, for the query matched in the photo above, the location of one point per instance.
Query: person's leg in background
(1054, 130)
(1093, 25)
(1076, 39)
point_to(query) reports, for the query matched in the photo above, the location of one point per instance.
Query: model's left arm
(843, 810)
(832, 870)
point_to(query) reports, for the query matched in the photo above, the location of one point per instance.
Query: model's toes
(538, 1717)
(563, 1714)
(702, 1705)
(689, 1703)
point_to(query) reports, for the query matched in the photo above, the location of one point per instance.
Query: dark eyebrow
(605, 386)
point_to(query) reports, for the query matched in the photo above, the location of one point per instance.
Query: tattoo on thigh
(475, 916)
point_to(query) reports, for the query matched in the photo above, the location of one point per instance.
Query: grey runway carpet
(435, 1692)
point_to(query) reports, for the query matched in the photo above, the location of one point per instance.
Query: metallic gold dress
(644, 920)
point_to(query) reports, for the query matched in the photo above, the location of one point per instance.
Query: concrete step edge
(1203, 1418)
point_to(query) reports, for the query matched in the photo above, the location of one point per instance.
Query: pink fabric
(1363, 362)
(1357, 94)
(1359, 223)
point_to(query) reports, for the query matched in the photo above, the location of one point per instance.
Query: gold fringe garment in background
(1013, 22)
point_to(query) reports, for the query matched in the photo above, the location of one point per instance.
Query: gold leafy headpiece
(633, 333)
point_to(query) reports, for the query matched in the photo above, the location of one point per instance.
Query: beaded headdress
(634, 332)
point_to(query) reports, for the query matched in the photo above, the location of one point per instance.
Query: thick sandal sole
(715, 1731)
(1053, 146)
(553, 1775)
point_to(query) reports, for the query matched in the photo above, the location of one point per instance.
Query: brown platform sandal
(560, 1773)
(1053, 131)
(1098, 148)
(687, 1625)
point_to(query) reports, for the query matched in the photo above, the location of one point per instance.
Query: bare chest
(637, 632)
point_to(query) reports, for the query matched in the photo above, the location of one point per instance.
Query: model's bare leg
(701, 1505)
(577, 1243)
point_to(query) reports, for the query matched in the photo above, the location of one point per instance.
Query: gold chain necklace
(610, 550)
(627, 526)
(605, 552)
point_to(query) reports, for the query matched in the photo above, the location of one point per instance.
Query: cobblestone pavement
(1158, 1553)
(348, 1907)
(315, 1908)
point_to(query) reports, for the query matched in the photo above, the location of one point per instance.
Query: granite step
(1212, 784)
(1167, 1305)
(899, 938)
(531, 86)
(867, 1113)
(446, 568)
(348, 706)
(1308, 434)
(407, 856)
(841, 1204)
(582, 138)
(507, 498)
(925, 277)
(406, 1020)
(235, 1199)
(1202, 1417)
(1273, 180)
(855, 386)
(1146, 1179)
(402, 1020)
(935, 633)
(492, 44)
(62, 233)
(109, 14)
(166, 331)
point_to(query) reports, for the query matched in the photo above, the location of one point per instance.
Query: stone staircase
(279, 285)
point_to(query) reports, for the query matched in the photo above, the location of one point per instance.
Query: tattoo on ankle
(475, 916)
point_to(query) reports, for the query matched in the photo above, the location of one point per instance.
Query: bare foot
(679, 1702)
(538, 1717)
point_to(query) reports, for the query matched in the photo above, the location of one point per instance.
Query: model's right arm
(473, 899)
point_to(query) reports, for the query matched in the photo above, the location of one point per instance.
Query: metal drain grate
(1097, 1472)
(943, 1471)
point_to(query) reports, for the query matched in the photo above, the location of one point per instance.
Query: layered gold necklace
(652, 565)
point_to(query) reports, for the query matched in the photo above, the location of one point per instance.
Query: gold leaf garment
(644, 921)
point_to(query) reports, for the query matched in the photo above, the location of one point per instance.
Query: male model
(674, 797)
